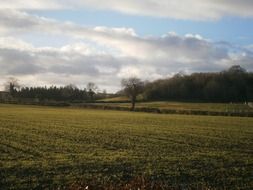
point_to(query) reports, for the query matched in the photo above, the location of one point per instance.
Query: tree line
(232, 85)
(64, 93)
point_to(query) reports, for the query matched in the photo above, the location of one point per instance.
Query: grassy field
(43, 147)
(219, 107)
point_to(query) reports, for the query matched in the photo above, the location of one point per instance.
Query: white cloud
(25, 4)
(105, 55)
(119, 41)
(184, 9)
(12, 43)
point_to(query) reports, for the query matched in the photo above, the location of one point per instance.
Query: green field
(45, 147)
(217, 107)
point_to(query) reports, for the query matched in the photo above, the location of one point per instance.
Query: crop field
(51, 148)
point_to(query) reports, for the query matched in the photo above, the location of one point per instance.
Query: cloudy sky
(58, 42)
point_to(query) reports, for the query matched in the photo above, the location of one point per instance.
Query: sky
(61, 42)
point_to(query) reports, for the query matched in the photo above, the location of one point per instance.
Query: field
(45, 147)
(216, 107)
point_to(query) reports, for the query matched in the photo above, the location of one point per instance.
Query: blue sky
(232, 29)
(61, 42)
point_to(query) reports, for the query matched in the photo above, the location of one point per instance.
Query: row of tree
(232, 85)
(66, 93)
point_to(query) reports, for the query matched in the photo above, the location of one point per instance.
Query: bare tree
(132, 87)
(12, 85)
(104, 93)
(91, 89)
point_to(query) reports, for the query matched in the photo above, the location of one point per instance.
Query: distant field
(115, 99)
(43, 147)
(219, 107)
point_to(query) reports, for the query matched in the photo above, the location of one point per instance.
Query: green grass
(217, 107)
(48, 147)
(115, 99)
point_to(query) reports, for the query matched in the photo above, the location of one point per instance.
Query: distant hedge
(168, 111)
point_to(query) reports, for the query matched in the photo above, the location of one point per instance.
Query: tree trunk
(133, 99)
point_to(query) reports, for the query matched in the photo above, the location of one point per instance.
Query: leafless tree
(11, 85)
(91, 89)
(132, 87)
